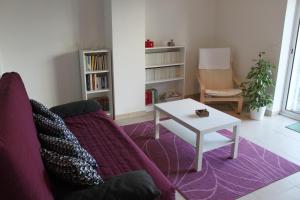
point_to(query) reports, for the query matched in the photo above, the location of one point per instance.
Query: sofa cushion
(135, 185)
(22, 173)
(53, 128)
(66, 148)
(70, 169)
(39, 108)
(115, 150)
(76, 108)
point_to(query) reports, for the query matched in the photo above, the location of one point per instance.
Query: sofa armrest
(76, 108)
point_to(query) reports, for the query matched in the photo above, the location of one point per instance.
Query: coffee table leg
(235, 145)
(199, 152)
(156, 123)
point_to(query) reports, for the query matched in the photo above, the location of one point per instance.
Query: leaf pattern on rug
(220, 177)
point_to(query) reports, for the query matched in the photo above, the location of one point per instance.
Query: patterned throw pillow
(70, 169)
(39, 108)
(66, 148)
(53, 128)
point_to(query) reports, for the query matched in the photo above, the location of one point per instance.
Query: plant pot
(258, 114)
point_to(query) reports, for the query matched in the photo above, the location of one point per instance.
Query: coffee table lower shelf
(211, 141)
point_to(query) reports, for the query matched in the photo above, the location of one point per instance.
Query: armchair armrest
(201, 84)
(76, 108)
(202, 88)
(236, 81)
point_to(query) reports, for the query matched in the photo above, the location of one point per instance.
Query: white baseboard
(271, 113)
(130, 115)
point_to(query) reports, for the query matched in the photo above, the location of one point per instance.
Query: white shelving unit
(165, 73)
(164, 65)
(97, 72)
(96, 77)
(164, 80)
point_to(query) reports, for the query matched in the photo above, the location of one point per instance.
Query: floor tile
(178, 196)
(273, 189)
(292, 194)
(295, 179)
(248, 197)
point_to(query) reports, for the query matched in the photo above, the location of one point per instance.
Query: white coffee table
(199, 132)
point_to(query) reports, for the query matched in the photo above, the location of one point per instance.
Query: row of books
(104, 102)
(163, 73)
(170, 95)
(151, 96)
(96, 62)
(163, 58)
(96, 82)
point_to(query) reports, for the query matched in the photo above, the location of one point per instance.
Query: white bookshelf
(97, 72)
(164, 65)
(164, 80)
(96, 77)
(97, 91)
(165, 72)
(164, 47)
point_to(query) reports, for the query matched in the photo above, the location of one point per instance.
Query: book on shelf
(170, 95)
(163, 58)
(96, 82)
(151, 96)
(96, 62)
(162, 73)
(104, 102)
(88, 84)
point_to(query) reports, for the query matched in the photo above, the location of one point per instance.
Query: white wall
(190, 23)
(108, 24)
(128, 36)
(249, 27)
(1, 65)
(246, 26)
(40, 40)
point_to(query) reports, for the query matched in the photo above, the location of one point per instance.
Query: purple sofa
(22, 173)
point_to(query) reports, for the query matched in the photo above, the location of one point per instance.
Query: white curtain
(293, 103)
(296, 97)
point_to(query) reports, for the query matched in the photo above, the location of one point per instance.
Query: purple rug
(221, 177)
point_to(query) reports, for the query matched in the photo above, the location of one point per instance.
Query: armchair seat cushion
(223, 92)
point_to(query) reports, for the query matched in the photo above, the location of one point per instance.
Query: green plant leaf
(258, 83)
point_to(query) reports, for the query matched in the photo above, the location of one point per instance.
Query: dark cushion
(53, 128)
(39, 108)
(70, 169)
(136, 185)
(67, 148)
(76, 108)
(22, 173)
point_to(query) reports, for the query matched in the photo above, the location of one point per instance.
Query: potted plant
(257, 86)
